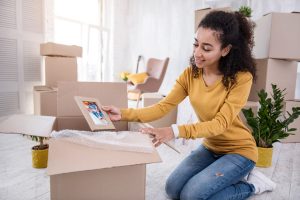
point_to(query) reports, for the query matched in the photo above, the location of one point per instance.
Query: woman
(218, 83)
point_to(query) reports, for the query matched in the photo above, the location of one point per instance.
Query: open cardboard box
(82, 172)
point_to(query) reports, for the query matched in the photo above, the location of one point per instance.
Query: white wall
(153, 29)
(21, 32)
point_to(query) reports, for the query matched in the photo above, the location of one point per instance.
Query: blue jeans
(206, 175)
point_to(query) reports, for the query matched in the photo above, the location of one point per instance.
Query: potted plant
(246, 11)
(39, 152)
(271, 124)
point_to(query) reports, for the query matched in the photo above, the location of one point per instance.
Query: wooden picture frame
(96, 118)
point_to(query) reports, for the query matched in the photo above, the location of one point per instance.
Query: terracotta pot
(39, 158)
(264, 157)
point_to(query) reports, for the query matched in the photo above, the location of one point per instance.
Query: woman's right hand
(113, 112)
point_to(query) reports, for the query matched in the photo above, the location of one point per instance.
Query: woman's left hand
(160, 135)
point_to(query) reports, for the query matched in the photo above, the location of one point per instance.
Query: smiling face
(207, 49)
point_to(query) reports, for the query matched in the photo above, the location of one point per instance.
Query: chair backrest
(157, 68)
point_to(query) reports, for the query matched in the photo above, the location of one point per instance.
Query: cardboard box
(296, 124)
(254, 106)
(149, 99)
(81, 172)
(199, 14)
(283, 73)
(60, 69)
(44, 101)
(277, 36)
(54, 49)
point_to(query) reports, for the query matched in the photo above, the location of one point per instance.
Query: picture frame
(95, 116)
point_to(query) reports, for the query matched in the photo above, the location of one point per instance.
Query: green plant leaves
(271, 124)
(38, 139)
(245, 10)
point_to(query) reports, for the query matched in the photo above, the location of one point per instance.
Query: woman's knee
(172, 189)
(191, 196)
(190, 193)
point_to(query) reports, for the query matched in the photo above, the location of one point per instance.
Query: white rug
(158, 173)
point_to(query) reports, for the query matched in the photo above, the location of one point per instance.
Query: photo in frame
(96, 118)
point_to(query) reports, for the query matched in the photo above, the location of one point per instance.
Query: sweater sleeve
(156, 111)
(236, 99)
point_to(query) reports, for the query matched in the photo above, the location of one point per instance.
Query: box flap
(108, 93)
(43, 88)
(66, 157)
(28, 124)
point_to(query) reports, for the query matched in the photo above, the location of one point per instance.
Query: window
(80, 23)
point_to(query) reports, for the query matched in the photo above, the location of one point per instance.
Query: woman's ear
(226, 50)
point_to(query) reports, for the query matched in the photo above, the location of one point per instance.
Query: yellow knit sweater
(217, 110)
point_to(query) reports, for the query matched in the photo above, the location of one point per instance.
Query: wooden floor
(19, 181)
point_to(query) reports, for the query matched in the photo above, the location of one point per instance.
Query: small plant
(271, 124)
(39, 152)
(40, 140)
(246, 11)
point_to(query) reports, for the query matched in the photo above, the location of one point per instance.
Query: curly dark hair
(234, 29)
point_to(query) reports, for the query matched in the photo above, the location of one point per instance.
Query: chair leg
(138, 99)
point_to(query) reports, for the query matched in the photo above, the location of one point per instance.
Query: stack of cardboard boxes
(60, 63)
(277, 52)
